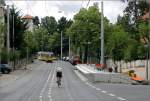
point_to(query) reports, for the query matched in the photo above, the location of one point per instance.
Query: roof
(28, 17)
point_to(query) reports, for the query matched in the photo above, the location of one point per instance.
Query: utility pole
(61, 45)
(88, 50)
(27, 55)
(42, 42)
(8, 38)
(13, 37)
(69, 47)
(148, 69)
(102, 35)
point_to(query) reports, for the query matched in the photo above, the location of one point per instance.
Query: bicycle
(59, 81)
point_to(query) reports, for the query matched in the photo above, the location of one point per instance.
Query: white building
(30, 25)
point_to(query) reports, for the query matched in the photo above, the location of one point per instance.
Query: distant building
(30, 25)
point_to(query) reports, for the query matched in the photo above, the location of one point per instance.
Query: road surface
(39, 84)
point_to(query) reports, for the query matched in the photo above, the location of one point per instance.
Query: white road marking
(49, 93)
(88, 84)
(49, 96)
(80, 76)
(51, 84)
(45, 85)
(40, 98)
(104, 91)
(98, 89)
(93, 86)
(120, 98)
(111, 94)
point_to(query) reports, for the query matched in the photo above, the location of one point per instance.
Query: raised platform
(95, 75)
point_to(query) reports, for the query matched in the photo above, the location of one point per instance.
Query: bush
(4, 56)
(12, 56)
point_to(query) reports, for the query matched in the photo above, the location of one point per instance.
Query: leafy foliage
(86, 28)
(117, 42)
(36, 21)
(49, 23)
(2, 30)
(20, 27)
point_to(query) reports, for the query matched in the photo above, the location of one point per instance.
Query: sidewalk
(6, 79)
(90, 69)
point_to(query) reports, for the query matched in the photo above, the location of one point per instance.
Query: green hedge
(12, 55)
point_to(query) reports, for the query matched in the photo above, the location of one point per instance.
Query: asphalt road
(40, 85)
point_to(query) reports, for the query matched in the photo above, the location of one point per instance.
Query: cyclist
(59, 75)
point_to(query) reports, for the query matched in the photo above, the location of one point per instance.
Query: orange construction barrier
(137, 78)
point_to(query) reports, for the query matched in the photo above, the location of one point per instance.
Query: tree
(20, 27)
(30, 42)
(1, 39)
(132, 15)
(2, 2)
(117, 42)
(2, 25)
(54, 43)
(41, 37)
(2, 28)
(130, 51)
(50, 24)
(36, 21)
(132, 22)
(62, 26)
(86, 28)
(144, 32)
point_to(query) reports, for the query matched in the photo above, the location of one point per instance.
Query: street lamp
(102, 35)
(61, 40)
(61, 43)
(149, 32)
(88, 43)
(13, 37)
(8, 37)
(69, 47)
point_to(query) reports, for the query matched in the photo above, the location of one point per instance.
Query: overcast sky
(65, 8)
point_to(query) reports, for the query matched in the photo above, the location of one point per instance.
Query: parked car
(75, 60)
(67, 58)
(5, 68)
(64, 58)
